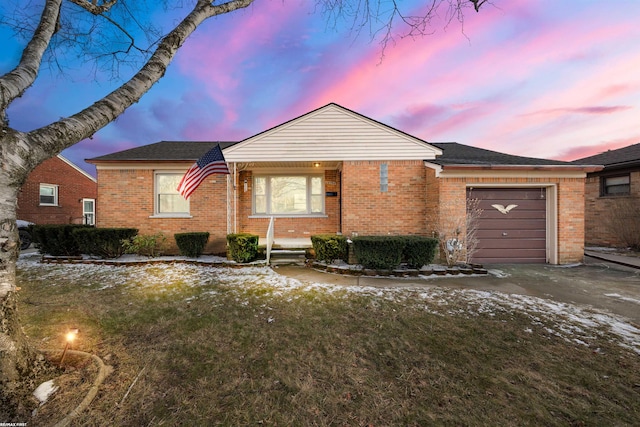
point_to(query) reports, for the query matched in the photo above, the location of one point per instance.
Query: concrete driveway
(596, 284)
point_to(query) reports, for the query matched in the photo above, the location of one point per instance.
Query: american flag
(211, 162)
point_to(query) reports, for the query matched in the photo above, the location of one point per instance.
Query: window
(384, 177)
(48, 195)
(615, 185)
(167, 199)
(89, 211)
(288, 195)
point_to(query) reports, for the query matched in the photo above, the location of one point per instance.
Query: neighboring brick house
(612, 197)
(335, 171)
(58, 192)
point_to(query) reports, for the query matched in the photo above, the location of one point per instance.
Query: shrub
(151, 245)
(243, 247)
(329, 247)
(191, 244)
(419, 251)
(378, 252)
(103, 242)
(57, 239)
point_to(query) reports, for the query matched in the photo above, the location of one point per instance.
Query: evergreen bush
(379, 252)
(192, 244)
(150, 245)
(103, 242)
(57, 239)
(419, 250)
(329, 247)
(243, 247)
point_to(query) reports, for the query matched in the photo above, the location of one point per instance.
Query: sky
(554, 79)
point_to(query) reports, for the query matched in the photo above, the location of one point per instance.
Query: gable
(331, 133)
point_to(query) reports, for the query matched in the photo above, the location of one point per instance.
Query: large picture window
(288, 195)
(167, 199)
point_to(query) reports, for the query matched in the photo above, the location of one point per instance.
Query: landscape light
(71, 336)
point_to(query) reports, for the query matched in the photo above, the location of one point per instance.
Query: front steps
(287, 251)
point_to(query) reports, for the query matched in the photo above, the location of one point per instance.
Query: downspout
(235, 198)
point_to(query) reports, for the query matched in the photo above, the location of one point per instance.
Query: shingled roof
(615, 159)
(163, 151)
(460, 154)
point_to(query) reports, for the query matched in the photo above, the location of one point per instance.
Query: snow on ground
(570, 322)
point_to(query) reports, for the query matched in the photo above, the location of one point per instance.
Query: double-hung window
(48, 195)
(168, 202)
(288, 195)
(615, 185)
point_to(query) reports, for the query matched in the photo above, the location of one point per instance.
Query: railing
(270, 233)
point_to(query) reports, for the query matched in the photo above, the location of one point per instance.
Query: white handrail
(270, 233)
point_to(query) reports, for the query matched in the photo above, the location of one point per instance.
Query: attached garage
(511, 225)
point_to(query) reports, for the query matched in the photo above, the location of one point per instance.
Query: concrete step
(288, 256)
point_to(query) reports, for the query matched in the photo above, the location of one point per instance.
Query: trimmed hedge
(329, 247)
(378, 252)
(419, 250)
(103, 242)
(387, 252)
(243, 247)
(192, 244)
(57, 239)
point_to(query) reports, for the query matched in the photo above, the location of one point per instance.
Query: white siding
(330, 133)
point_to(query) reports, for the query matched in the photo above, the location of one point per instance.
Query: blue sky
(553, 79)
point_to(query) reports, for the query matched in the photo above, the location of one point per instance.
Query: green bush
(419, 250)
(57, 239)
(103, 242)
(243, 247)
(378, 252)
(151, 245)
(329, 247)
(192, 244)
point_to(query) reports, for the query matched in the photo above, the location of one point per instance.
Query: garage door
(512, 225)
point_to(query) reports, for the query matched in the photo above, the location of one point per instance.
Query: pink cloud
(581, 152)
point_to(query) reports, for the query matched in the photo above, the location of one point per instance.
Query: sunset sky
(554, 79)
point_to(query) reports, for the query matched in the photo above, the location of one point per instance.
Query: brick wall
(126, 200)
(598, 211)
(73, 186)
(369, 211)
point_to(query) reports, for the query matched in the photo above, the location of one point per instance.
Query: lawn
(193, 345)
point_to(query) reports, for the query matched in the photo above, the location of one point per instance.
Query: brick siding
(598, 231)
(73, 186)
(126, 200)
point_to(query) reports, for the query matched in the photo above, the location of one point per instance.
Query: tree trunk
(16, 357)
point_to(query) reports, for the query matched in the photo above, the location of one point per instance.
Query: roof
(163, 151)
(613, 159)
(460, 154)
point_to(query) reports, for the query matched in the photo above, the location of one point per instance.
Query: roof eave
(580, 168)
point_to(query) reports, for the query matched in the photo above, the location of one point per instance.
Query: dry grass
(224, 354)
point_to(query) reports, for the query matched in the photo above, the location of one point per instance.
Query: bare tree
(54, 28)
(457, 233)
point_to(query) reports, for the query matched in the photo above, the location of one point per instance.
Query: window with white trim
(167, 199)
(48, 195)
(89, 211)
(288, 194)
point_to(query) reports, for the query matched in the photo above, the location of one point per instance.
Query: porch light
(316, 164)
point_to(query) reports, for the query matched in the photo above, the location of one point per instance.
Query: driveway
(597, 284)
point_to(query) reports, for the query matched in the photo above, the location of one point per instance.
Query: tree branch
(15, 82)
(93, 7)
(68, 131)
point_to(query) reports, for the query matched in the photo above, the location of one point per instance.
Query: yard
(193, 345)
